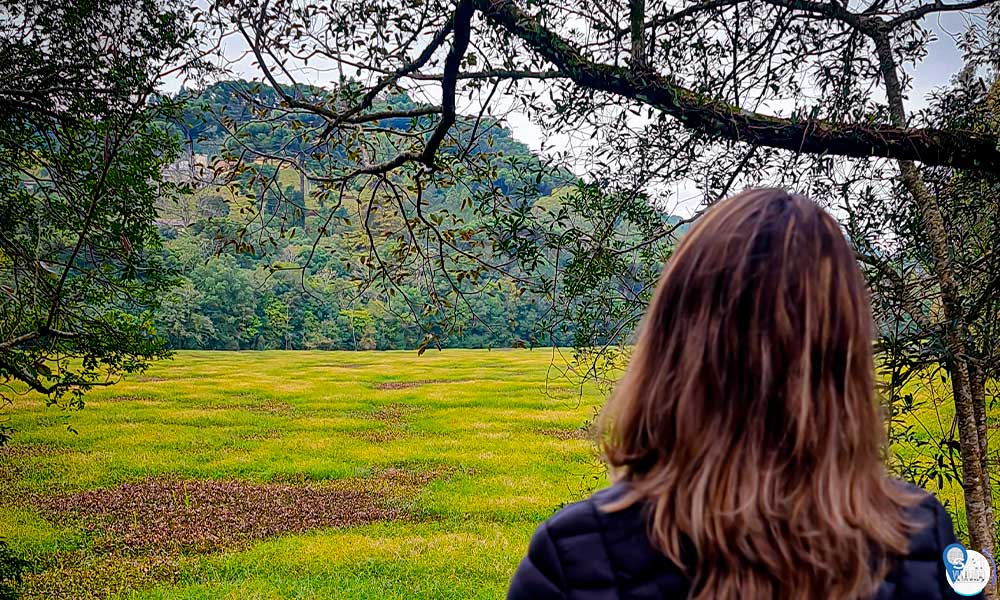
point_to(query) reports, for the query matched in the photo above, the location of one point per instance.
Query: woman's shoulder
(590, 515)
(583, 546)
(921, 574)
(563, 554)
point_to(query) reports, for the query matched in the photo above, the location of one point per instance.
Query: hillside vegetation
(266, 258)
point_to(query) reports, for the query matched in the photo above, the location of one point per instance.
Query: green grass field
(430, 472)
(313, 475)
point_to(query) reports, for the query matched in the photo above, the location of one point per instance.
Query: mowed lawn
(298, 475)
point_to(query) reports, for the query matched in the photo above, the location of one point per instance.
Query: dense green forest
(262, 263)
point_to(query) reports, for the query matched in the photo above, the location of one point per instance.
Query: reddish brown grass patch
(18, 461)
(401, 385)
(411, 480)
(567, 434)
(267, 407)
(73, 575)
(125, 398)
(163, 515)
(392, 413)
(391, 416)
(13, 451)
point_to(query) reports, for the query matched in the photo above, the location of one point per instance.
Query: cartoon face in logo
(968, 571)
(955, 556)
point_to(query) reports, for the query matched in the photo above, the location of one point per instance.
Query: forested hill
(312, 286)
(228, 114)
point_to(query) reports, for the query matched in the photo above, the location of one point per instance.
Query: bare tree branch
(463, 24)
(936, 7)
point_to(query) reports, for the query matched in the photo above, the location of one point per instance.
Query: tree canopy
(80, 161)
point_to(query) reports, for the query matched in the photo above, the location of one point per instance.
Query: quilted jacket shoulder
(585, 553)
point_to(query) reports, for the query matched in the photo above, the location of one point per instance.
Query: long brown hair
(747, 422)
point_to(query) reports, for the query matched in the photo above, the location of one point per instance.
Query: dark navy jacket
(584, 553)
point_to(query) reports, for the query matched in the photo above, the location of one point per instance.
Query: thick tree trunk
(975, 479)
(637, 24)
(978, 384)
(302, 178)
(972, 449)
